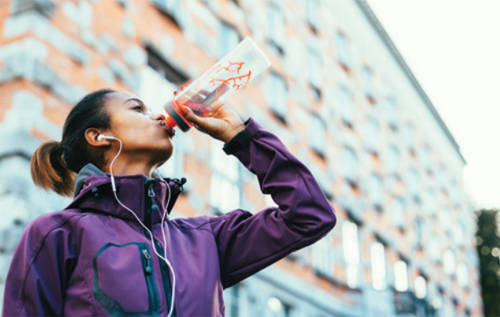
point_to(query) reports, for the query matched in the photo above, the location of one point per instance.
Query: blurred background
(340, 96)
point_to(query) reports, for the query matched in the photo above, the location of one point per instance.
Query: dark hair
(55, 164)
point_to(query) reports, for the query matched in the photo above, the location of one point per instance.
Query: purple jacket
(93, 258)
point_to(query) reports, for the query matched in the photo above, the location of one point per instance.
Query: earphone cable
(164, 258)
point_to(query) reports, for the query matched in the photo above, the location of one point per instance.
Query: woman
(96, 257)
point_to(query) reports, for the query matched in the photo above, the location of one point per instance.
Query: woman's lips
(169, 129)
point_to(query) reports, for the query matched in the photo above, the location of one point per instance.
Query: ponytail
(54, 164)
(49, 170)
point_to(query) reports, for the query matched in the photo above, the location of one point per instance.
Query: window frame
(277, 103)
(378, 270)
(317, 135)
(352, 262)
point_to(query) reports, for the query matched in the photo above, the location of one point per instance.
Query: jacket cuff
(239, 141)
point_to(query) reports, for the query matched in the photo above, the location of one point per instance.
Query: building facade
(338, 94)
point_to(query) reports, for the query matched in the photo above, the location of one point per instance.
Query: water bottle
(232, 72)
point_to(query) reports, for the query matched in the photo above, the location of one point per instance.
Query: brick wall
(336, 94)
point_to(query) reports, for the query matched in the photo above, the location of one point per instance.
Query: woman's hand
(222, 123)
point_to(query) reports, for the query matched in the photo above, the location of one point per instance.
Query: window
(255, 18)
(342, 49)
(317, 135)
(45, 7)
(447, 309)
(346, 105)
(408, 135)
(348, 163)
(172, 9)
(367, 82)
(393, 159)
(457, 231)
(377, 255)
(412, 180)
(315, 68)
(350, 245)
(224, 183)
(276, 27)
(322, 255)
(312, 8)
(435, 297)
(389, 109)
(348, 200)
(434, 248)
(374, 189)
(295, 62)
(371, 135)
(397, 210)
(449, 262)
(400, 276)
(462, 275)
(277, 96)
(171, 72)
(419, 229)
(19, 210)
(444, 215)
(426, 157)
(420, 287)
(228, 39)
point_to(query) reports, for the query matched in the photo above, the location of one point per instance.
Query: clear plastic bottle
(234, 71)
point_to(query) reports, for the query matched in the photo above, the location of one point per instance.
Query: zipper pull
(151, 195)
(149, 268)
(180, 183)
(151, 192)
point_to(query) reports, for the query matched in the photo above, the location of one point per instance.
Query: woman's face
(140, 131)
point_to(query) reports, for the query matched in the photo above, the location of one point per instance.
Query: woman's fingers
(200, 123)
(216, 110)
(222, 123)
(189, 115)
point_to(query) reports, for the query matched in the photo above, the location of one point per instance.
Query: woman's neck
(130, 165)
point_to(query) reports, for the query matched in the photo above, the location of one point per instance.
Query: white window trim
(378, 262)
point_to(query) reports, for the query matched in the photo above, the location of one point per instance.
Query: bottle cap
(170, 121)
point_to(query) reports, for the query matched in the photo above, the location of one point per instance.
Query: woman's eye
(139, 108)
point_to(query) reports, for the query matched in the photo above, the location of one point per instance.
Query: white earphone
(113, 186)
(105, 137)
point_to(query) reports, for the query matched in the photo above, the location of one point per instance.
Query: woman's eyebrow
(134, 99)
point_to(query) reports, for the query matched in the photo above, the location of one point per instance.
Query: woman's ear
(92, 137)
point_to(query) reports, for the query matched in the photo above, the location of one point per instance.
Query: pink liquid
(201, 104)
(199, 109)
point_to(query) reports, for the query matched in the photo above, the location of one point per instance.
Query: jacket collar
(93, 192)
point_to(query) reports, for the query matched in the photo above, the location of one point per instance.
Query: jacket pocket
(124, 282)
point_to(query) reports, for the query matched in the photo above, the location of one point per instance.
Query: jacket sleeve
(39, 271)
(249, 242)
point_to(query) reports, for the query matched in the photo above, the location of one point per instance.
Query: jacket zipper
(165, 278)
(149, 207)
(148, 270)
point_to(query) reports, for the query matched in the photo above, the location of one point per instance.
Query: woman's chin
(162, 155)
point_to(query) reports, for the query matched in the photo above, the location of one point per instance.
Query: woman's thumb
(188, 114)
(191, 116)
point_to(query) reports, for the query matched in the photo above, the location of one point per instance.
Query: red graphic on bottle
(237, 81)
(227, 68)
